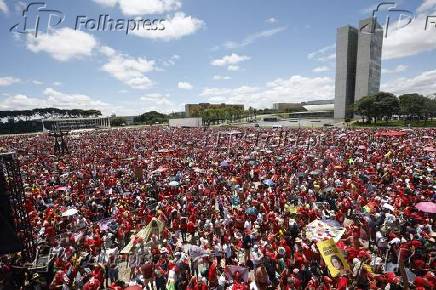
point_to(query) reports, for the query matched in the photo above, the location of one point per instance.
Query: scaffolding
(10, 177)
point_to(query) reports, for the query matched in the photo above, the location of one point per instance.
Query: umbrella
(173, 183)
(104, 224)
(134, 287)
(268, 182)
(361, 147)
(224, 164)
(315, 172)
(428, 206)
(196, 252)
(70, 212)
(251, 210)
(388, 206)
(61, 188)
(429, 149)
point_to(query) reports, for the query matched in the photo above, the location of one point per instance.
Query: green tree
(413, 105)
(386, 105)
(118, 121)
(366, 107)
(152, 117)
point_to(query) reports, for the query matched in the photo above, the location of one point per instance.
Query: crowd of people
(164, 208)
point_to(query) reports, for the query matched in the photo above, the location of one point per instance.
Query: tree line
(383, 106)
(44, 113)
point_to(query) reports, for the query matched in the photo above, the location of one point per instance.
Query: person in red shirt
(342, 283)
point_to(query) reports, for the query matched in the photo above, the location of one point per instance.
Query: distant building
(318, 108)
(369, 52)
(186, 123)
(68, 124)
(358, 65)
(346, 58)
(130, 120)
(318, 102)
(191, 109)
(312, 114)
(282, 107)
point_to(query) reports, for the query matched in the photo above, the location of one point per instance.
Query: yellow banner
(333, 257)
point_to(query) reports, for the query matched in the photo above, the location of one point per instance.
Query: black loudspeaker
(9, 242)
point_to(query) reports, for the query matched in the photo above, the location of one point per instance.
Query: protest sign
(333, 258)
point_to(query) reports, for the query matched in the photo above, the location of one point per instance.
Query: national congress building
(358, 65)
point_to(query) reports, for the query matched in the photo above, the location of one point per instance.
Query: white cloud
(397, 69)
(233, 68)
(175, 28)
(293, 89)
(53, 98)
(36, 82)
(424, 83)
(369, 10)
(109, 3)
(63, 44)
(160, 103)
(184, 86)
(7, 81)
(321, 69)
(21, 102)
(220, 78)
(171, 61)
(412, 39)
(70, 101)
(3, 7)
(426, 6)
(127, 69)
(231, 59)
(57, 84)
(324, 54)
(143, 7)
(253, 37)
(271, 20)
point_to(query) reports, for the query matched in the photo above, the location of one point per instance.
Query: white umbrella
(388, 206)
(70, 212)
(173, 183)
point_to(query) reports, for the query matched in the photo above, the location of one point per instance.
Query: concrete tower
(358, 65)
(346, 56)
(369, 52)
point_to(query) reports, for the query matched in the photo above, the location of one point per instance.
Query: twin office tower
(358, 65)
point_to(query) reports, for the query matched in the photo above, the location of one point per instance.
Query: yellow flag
(332, 257)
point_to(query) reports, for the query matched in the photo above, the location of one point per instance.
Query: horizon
(209, 52)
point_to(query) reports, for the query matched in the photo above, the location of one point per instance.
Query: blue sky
(238, 51)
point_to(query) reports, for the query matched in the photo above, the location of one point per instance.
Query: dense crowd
(163, 208)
